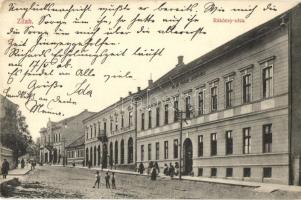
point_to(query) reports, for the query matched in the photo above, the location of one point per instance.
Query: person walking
(157, 168)
(22, 163)
(166, 170)
(97, 181)
(5, 168)
(171, 170)
(153, 173)
(113, 181)
(107, 178)
(141, 168)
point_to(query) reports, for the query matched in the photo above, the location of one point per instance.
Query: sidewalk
(15, 173)
(259, 187)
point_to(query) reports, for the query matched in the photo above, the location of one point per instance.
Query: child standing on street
(97, 176)
(113, 181)
(107, 177)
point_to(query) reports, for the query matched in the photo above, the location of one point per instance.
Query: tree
(14, 131)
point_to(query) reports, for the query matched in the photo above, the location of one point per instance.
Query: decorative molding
(267, 59)
(229, 74)
(251, 66)
(213, 81)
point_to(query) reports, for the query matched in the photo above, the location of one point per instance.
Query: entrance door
(187, 156)
(104, 156)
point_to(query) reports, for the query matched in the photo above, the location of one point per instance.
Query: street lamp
(181, 133)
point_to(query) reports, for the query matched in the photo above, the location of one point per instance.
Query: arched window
(122, 152)
(94, 156)
(87, 156)
(98, 152)
(90, 155)
(111, 154)
(130, 150)
(116, 152)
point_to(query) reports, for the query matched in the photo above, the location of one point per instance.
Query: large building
(57, 135)
(239, 106)
(111, 135)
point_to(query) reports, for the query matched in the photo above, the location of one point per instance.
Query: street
(65, 182)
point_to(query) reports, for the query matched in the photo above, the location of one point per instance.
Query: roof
(66, 120)
(220, 51)
(77, 142)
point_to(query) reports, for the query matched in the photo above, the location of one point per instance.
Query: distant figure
(171, 170)
(5, 168)
(166, 170)
(153, 173)
(73, 163)
(83, 163)
(113, 181)
(97, 181)
(176, 169)
(141, 168)
(22, 163)
(157, 168)
(149, 168)
(90, 164)
(107, 177)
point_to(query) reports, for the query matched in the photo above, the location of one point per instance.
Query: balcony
(102, 136)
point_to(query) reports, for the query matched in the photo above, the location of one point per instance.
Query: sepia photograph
(150, 99)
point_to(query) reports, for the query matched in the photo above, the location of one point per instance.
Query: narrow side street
(64, 182)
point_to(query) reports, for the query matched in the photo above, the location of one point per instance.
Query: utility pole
(180, 157)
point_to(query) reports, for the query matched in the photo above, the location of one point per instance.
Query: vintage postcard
(150, 99)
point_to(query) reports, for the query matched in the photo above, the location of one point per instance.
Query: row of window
(266, 135)
(267, 89)
(55, 138)
(75, 153)
(157, 149)
(92, 130)
(267, 172)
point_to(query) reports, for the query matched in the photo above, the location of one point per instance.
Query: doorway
(187, 156)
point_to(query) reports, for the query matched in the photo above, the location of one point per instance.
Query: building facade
(57, 135)
(111, 136)
(76, 152)
(240, 108)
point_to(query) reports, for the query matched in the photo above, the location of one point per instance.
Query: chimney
(150, 83)
(180, 60)
(138, 89)
(130, 93)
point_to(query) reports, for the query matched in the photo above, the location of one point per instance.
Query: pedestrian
(97, 181)
(176, 168)
(171, 170)
(141, 168)
(153, 173)
(113, 181)
(166, 170)
(107, 178)
(149, 168)
(22, 163)
(5, 168)
(90, 164)
(157, 168)
(83, 163)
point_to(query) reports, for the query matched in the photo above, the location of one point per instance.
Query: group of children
(107, 178)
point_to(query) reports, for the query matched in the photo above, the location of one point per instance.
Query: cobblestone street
(60, 182)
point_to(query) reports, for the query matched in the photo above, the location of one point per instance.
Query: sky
(106, 93)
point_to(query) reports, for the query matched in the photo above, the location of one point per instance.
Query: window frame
(249, 139)
(267, 138)
(229, 142)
